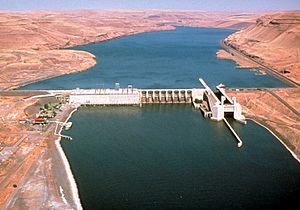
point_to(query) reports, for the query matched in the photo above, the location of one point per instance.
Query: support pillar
(159, 95)
(172, 94)
(147, 96)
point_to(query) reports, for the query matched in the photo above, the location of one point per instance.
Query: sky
(207, 5)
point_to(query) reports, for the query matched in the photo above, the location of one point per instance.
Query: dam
(164, 155)
(130, 96)
(214, 105)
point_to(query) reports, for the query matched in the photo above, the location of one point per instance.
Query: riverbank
(279, 137)
(72, 187)
(34, 172)
(247, 48)
(245, 59)
(31, 169)
(29, 50)
(240, 61)
(62, 181)
(273, 42)
(135, 166)
(274, 114)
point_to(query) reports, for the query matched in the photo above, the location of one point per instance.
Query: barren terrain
(31, 171)
(241, 62)
(271, 44)
(278, 110)
(31, 44)
(274, 41)
(32, 48)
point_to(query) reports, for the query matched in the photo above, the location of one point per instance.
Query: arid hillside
(31, 43)
(274, 41)
(279, 110)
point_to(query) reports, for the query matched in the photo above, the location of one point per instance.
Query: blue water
(169, 156)
(161, 59)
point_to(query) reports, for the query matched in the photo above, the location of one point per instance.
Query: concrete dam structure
(170, 95)
(214, 105)
(127, 96)
(217, 105)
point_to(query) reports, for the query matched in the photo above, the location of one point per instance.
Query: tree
(46, 106)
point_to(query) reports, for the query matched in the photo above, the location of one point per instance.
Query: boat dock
(240, 143)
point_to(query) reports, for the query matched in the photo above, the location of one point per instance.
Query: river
(169, 156)
(166, 59)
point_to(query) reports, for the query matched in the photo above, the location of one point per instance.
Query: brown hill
(29, 42)
(274, 40)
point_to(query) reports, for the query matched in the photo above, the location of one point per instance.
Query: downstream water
(169, 156)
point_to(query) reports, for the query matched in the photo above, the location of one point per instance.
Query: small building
(220, 103)
(39, 121)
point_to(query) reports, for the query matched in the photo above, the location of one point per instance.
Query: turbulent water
(169, 156)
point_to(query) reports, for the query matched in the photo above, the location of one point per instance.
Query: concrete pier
(240, 143)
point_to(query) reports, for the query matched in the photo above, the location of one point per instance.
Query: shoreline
(92, 42)
(70, 177)
(72, 181)
(279, 139)
(43, 79)
(268, 69)
(67, 167)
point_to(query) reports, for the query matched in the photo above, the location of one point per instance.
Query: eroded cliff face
(274, 40)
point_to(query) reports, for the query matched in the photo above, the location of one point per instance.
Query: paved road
(22, 92)
(271, 91)
(284, 103)
(268, 69)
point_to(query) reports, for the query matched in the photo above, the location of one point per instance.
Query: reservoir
(169, 156)
(166, 59)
